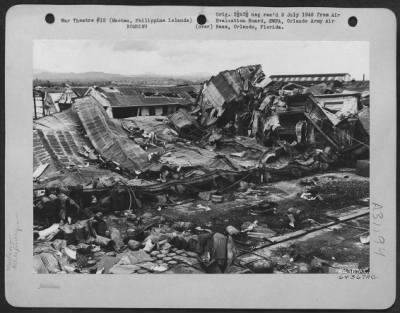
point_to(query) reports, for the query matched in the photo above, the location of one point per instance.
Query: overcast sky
(182, 57)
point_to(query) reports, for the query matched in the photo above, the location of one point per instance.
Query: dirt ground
(314, 224)
(337, 244)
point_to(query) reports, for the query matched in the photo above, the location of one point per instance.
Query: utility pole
(44, 113)
(34, 104)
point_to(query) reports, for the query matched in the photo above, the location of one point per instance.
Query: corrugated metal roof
(182, 119)
(148, 123)
(307, 75)
(214, 97)
(80, 91)
(80, 177)
(108, 138)
(41, 154)
(196, 157)
(358, 85)
(228, 86)
(336, 105)
(61, 135)
(148, 96)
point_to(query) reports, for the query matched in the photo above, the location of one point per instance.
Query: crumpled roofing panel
(182, 119)
(79, 91)
(235, 81)
(345, 105)
(225, 87)
(80, 177)
(134, 96)
(228, 86)
(62, 137)
(358, 86)
(147, 123)
(214, 97)
(189, 156)
(99, 96)
(41, 155)
(108, 138)
(57, 141)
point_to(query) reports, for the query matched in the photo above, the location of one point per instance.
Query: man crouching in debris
(219, 253)
(69, 209)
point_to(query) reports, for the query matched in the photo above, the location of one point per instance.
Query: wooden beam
(323, 133)
(40, 170)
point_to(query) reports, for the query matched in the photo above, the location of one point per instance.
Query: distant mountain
(77, 76)
(101, 76)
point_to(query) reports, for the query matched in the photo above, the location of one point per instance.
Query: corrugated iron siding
(108, 138)
(135, 96)
(182, 119)
(224, 87)
(40, 154)
(228, 86)
(212, 95)
(61, 137)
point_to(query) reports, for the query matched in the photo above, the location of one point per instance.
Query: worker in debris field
(97, 225)
(69, 210)
(219, 253)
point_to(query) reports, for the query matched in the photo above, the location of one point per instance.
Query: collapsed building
(128, 101)
(112, 178)
(50, 100)
(290, 111)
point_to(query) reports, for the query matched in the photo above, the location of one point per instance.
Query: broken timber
(40, 170)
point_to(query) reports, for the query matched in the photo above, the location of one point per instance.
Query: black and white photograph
(186, 141)
(201, 157)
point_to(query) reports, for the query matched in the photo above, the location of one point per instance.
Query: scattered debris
(310, 196)
(49, 233)
(204, 207)
(364, 239)
(115, 194)
(262, 266)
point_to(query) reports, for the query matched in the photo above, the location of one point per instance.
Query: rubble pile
(104, 187)
(323, 114)
(121, 242)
